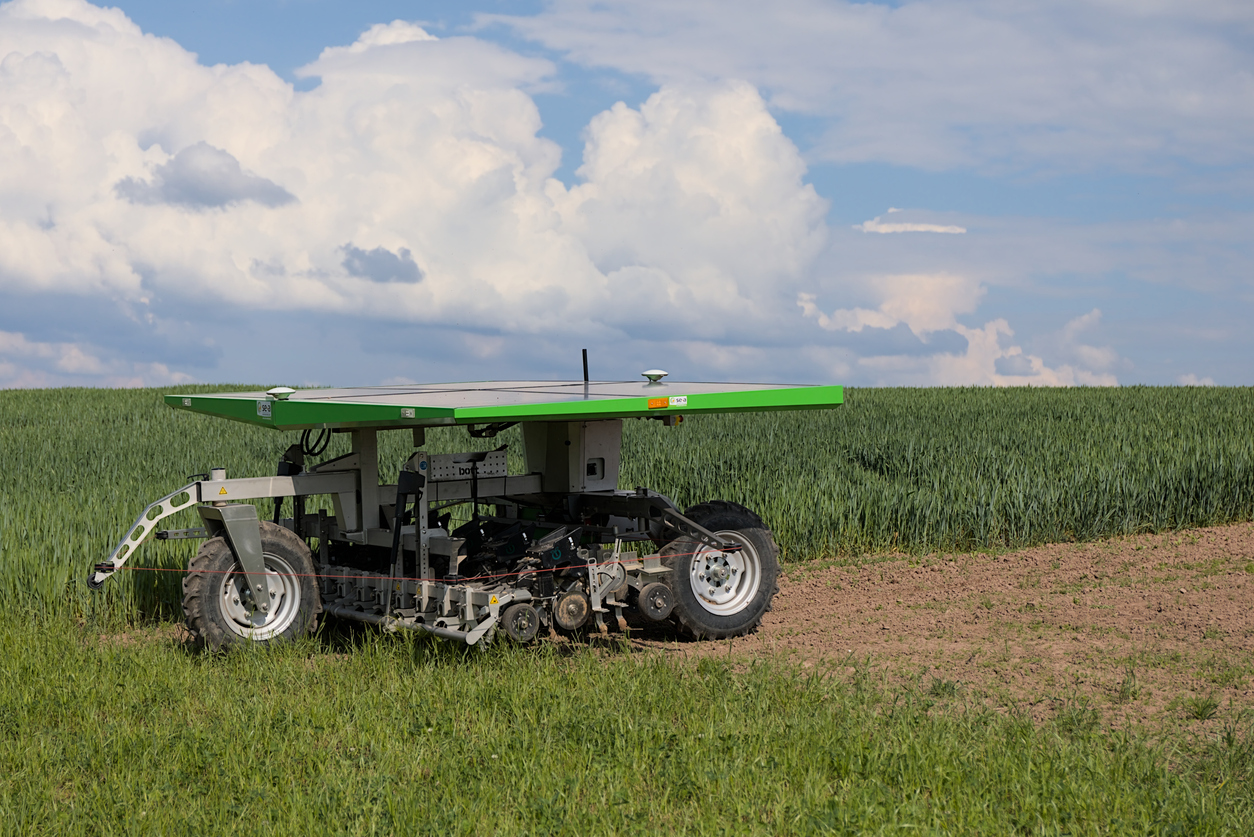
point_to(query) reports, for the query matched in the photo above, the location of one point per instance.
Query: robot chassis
(558, 547)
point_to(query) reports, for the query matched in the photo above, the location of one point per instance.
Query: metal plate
(454, 466)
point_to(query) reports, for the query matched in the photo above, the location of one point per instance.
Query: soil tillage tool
(558, 547)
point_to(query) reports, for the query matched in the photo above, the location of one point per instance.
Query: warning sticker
(494, 600)
(658, 403)
(223, 491)
(263, 409)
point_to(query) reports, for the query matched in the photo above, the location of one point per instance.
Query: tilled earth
(1148, 631)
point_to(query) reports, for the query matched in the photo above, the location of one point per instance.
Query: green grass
(1201, 708)
(373, 734)
(911, 469)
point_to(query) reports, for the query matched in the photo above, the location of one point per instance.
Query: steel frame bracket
(239, 522)
(140, 529)
(342, 485)
(672, 519)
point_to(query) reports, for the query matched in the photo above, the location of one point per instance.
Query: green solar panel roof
(419, 405)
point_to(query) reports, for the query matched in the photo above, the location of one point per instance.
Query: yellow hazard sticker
(494, 600)
(223, 491)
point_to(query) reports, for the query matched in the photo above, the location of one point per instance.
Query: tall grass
(911, 469)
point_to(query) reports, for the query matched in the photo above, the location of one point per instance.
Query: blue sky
(927, 192)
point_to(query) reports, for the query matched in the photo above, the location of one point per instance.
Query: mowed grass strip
(363, 733)
(916, 470)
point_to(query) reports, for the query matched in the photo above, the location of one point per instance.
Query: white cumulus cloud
(924, 303)
(878, 225)
(931, 304)
(409, 199)
(30, 363)
(939, 83)
(410, 185)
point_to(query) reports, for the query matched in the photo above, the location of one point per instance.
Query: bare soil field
(1147, 632)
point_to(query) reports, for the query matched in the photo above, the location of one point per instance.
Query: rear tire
(723, 594)
(217, 603)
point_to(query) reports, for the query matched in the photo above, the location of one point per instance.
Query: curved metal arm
(142, 528)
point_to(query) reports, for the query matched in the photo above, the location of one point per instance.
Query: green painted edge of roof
(299, 415)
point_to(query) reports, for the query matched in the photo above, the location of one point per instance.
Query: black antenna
(585, 366)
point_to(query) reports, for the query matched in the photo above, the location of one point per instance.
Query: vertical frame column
(366, 446)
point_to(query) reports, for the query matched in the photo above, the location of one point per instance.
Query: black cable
(319, 446)
(490, 430)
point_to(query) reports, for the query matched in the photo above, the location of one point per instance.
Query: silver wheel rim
(725, 582)
(244, 618)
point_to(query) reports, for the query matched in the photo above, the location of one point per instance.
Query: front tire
(723, 594)
(218, 605)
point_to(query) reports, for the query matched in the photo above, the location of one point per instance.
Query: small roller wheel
(571, 610)
(521, 622)
(656, 602)
(721, 594)
(220, 609)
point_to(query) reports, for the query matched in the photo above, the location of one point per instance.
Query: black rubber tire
(694, 617)
(204, 604)
(521, 622)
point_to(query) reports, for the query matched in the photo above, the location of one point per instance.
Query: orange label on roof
(654, 403)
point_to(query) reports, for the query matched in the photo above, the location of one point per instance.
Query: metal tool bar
(392, 623)
(181, 534)
(490, 487)
(252, 488)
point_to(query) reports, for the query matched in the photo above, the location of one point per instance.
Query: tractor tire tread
(725, 515)
(199, 596)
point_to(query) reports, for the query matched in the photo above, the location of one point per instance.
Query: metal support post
(366, 446)
(243, 534)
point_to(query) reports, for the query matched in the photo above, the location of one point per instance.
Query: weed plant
(363, 733)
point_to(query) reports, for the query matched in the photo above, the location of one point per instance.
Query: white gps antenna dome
(280, 393)
(655, 375)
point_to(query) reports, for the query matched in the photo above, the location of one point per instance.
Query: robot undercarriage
(522, 559)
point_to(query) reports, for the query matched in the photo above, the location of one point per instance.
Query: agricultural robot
(557, 548)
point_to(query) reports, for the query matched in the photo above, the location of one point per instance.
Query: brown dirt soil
(1145, 632)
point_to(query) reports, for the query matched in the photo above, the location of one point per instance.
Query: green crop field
(108, 725)
(907, 469)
